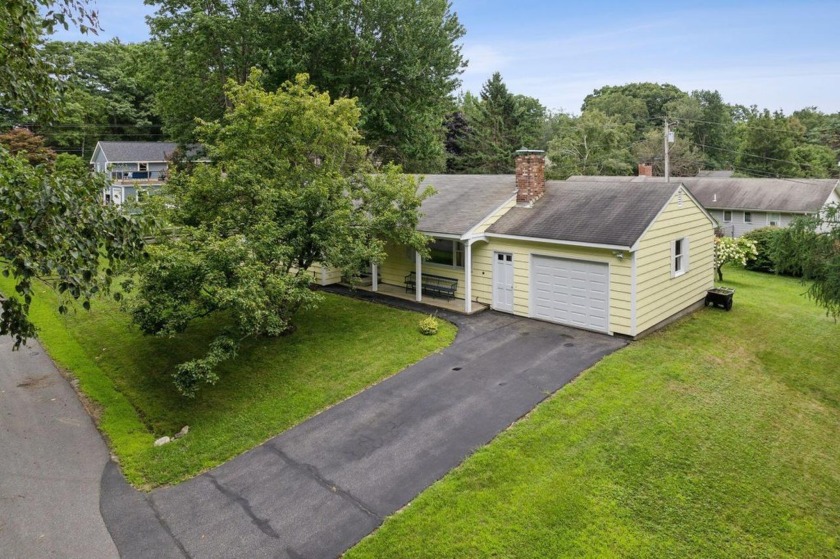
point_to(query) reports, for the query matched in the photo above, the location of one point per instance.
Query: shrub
(763, 239)
(728, 249)
(429, 325)
(766, 241)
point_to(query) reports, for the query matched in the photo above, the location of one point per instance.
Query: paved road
(320, 487)
(51, 463)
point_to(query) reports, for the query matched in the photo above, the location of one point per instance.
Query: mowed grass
(337, 350)
(717, 437)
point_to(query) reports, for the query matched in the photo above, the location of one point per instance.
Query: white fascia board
(442, 235)
(93, 155)
(469, 233)
(556, 242)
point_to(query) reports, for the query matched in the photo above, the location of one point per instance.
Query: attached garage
(571, 292)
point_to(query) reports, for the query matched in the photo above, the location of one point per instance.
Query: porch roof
(462, 201)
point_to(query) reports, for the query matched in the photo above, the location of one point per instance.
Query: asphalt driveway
(317, 489)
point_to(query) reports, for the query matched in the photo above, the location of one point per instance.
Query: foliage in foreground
(54, 230)
(714, 438)
(289, 186)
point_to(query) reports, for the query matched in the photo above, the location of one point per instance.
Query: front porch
(398, 292)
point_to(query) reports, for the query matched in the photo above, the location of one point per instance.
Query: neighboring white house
(740, 205)
(132, 167)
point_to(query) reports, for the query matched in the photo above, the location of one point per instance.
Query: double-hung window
(727, 216)
(679, 257)
(774, 219)
(447, 252)
(747, 217)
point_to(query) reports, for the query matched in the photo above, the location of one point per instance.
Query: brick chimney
(530, 175)
(645, 170)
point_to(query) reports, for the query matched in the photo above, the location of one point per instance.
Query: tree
(22, 142)
(52, 227)
(27, 84)
(767, 145)
(812, 244)
(685, 160)
(498, 123)
(53, 230)
(591, 144)
(399, 58)
(643, 104)
(108, 94)
(290, 185)
(731, 249)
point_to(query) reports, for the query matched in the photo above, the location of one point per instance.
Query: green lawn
(717, 437)
(338, 350)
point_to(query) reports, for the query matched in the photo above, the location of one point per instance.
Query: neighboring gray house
(743, 204)
(133, 167)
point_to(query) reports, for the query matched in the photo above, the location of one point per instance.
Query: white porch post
(468, 277)
(374, 269)
(418, 272)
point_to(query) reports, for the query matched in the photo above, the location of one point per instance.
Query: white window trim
(745, 217)
(455, 250)
(730, 216)
(778, 219)
(684, 257)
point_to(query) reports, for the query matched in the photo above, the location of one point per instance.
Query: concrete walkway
(317, 489)
(51, 463)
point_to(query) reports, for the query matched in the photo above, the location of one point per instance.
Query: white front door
(503, 281)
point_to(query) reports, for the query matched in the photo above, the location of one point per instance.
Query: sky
(774, 54)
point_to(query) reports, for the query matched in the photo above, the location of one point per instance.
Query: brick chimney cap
(526, 151)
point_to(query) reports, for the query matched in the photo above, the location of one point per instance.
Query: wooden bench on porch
(438, 286)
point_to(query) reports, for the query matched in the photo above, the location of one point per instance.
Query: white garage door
(572, 292)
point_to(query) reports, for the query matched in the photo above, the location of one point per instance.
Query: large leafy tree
(812, 244)
(399, 58)
(591, 144)
(642, 104)
(290, 184)
(109, 91)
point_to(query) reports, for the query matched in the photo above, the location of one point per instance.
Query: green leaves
(53, 230)
(290, 185)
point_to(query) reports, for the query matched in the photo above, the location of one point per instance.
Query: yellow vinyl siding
(482, 289)
(659, 296)
(329, 277)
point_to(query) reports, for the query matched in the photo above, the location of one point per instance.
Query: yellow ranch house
(616, 257)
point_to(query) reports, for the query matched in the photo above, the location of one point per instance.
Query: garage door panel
(572, 292)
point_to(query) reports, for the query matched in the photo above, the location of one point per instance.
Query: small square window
(727, 216)
(747, 217)
(142, 167)
(774, 219)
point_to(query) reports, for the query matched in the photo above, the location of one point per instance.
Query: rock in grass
(184, 430)
(162, 441)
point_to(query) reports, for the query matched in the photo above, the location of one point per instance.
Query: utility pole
(667, 154)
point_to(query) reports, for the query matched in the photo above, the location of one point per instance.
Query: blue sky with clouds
(775, 54)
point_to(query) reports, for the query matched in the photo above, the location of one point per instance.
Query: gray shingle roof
(137, 151)
(596, 212)
(773, 195)
(143, 151)
(462, 201)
